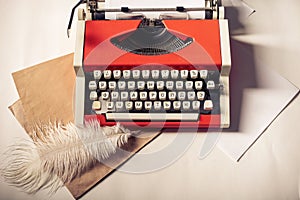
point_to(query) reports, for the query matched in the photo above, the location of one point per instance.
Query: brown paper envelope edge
(19, 74)
(101, 171)
(17, 110)
(33, 94)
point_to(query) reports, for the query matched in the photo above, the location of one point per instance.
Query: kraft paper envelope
(46, 94)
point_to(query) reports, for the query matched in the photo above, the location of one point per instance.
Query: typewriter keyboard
(144, 95)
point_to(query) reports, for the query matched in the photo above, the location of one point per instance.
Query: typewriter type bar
(171, 71)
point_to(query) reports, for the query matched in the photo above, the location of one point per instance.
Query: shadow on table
(243, 68)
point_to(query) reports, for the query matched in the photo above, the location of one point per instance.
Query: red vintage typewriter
(167, 71)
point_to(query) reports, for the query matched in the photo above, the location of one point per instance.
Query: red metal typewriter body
(208, 52)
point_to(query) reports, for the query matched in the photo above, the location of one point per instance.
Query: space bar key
(153, 116)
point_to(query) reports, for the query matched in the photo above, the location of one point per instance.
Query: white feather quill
(59, 154)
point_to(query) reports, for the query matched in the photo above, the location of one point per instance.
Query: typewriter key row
(150, 85)
(156, 105)
(147, 74)
(152, 96)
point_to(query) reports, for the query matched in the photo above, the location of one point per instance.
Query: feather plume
(59, 154)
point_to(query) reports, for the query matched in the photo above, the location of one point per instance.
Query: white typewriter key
(124, 96)
(121, 85)
(96, 105)
(189, 85)
(150, 85)
(92, 85)
(133, 96)
(208, 105)
(141, 85)
(119, 105)
(128, 105)
(203, 74)
(107, 74)
(174, 74)
(102, 85)
(181, 95)
(184, 74)
(157, 105)
(186, 105)
(191, 95)
(148, 105)
(131, 85)
(196, 105)
(112, 85)
(211, 85)
(162, 95)
(179, 85)
(172, 96)
(136, 74)
(145, 74)
(194, 74)
(198, 85)
(114, 96)
(176, 105)
(155, 74)
(167, 105)
(93, 95)
(97, 74)
(201, 95)
(152, 95)
(138, 105)
(117, 74)
(170, 85)
(104, 95)
(110, 105)
(165, 74)
(143, 96)
(126, 74)
(160, 85)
